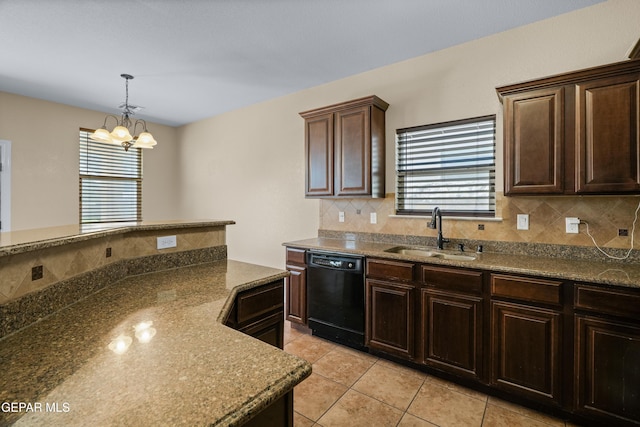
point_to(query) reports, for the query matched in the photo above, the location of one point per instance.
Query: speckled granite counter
(592, 271)
(16, 242)
(194, 371)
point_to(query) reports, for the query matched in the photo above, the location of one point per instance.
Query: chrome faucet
(436, 223)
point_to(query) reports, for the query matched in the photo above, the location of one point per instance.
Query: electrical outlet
(480, 226)
(108, 252)
(167, 242)
(340, 216)
(572, 225)
(373, 217)
(523, 222)
(623, 232)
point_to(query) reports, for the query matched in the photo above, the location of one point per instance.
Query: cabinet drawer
(296, 255)
(526, 289)
(453, 279)
(617, 302)
(390, 269)
(256, 302)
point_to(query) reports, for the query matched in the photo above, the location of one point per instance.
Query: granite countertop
(15, 242)
(194, 371)
(592, 271)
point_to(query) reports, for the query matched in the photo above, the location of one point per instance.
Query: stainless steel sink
(431, 253)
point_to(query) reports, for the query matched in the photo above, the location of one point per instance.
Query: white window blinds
(110, 182)
(449, 165)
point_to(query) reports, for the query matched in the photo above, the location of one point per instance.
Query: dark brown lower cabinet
(296, 291)
(259, 312)
(452, 332)
(607, 369)
(390, 322)
(549, 343)
(526, 352)
(278, 414)
(269, 330)
(296, 286)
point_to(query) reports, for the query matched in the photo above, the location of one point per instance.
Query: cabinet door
(525, 349)
(534, 142)
(608, 145)
(607, 370)
(319, 155)
(452, 332)
(296, 294)
(353, 152)
(390, 317)
(269, 330)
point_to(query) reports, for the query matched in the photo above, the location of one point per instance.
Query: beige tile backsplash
(65, 261)
(605, 215)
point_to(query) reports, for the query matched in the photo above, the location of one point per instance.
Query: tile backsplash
(63, 262)
(606, 215)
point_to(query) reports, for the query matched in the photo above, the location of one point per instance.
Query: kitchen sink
(431, 253)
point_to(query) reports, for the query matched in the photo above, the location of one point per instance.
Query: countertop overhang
(194, 371)
(577, 270)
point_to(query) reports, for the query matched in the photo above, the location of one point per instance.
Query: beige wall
(44, 173)
(247, 165)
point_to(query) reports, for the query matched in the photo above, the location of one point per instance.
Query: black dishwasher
(335, 297)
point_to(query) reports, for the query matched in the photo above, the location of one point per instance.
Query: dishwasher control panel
(335, 260)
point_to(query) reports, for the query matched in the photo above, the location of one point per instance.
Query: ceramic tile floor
(351, 388)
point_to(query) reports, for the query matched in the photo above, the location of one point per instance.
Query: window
(110, 182)
(449, 165)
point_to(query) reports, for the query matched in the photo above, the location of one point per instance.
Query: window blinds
(110, 182)
(450, 165)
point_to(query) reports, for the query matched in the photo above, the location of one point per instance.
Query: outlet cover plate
(572, 225)
(373, 217)
(523, 222)
(167, 242)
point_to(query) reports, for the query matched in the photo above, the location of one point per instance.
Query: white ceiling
(194, 59)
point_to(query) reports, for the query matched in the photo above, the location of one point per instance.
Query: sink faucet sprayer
(436, 223)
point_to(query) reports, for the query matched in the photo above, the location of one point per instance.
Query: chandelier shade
(121, 135)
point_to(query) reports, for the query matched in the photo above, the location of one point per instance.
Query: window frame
(113, 172)
(403, 170)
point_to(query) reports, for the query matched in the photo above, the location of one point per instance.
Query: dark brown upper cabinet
(345, 149)
(574, 133)
(534, 135)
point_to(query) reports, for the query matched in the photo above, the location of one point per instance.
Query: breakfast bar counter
(150, 349)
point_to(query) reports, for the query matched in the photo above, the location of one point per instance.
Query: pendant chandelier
(120, 135)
